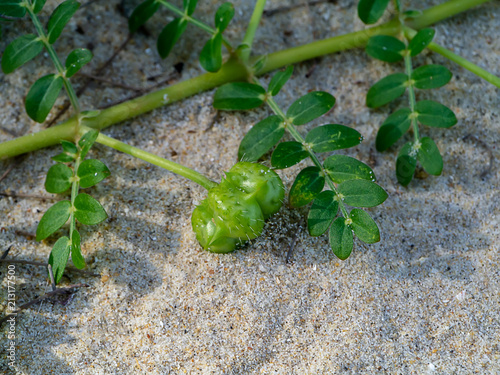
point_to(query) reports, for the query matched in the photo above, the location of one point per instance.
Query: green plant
(350, 182)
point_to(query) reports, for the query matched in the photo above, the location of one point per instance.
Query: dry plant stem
(233, 70)
(69, 289)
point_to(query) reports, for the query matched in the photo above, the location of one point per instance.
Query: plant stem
(252, 28)
(231, 71)
(296, 135)
(154, 159)
(411, 95)
(55, 59)
(194, 21)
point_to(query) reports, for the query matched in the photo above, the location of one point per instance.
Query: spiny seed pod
(235, 210)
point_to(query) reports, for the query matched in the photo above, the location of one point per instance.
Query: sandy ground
(425, 299)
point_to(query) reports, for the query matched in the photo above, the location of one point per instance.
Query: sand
(425, 299)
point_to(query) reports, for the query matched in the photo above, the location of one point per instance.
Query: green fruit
(235, 210)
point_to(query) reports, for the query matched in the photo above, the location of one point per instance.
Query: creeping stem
(154, 159)
(231, 71)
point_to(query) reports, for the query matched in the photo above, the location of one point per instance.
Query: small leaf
(431, 76)
(42, 96)
(38, 5)
(142, 13)
(169, 36)
(341, 239)
(211, 54)
(279, 80)
(362, 193)
(76, 60)
(53, 219)
(287, 154)
(307, 185)
(429, 156)
(58, 179)
(421, 40)
(88, 210)
(12, 8)
(364, 226)
(223, 16)
(189, 6)
(20, 51)
(369, 11)
(86, 142)
(58, 257)
(91, 172)
(386, 90)
(393, 128)
(333, 137)
(239, 96)
(309, 107)
(342, 168)
(386, 48)
(63, 158)
(323, 211)
(76, 251)
(60, 17)
(69, 147)
(406, 164)
(259, 64)
(434, 114)
(261, 138)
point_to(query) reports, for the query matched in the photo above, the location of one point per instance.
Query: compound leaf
(362, 193)
(435, 114)
(322, 212)
(364, 226)
(20, 51)
(261, 138)
(91, 172)
(60, 17)
(341, 239)
(429, 156)
(287, 154)
(333, 137)
(58, 179)
(42, 96)
(309, 107)
(53, 219)
(393, 128)
(88, 210)
(386, 48)
(431, 76)
(386, 90)
(307, 185)
(239, 96)
(342, 168)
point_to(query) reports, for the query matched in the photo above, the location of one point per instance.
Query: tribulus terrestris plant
(235, 210)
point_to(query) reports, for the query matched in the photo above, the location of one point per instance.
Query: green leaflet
(59, 18)
(386, 48)
(211, 54)
(406, 164)
(364, 226)
(38, 5)
(393, 128)
(91, 172)
(76, 60)
(12, 8)
(20, 51)
(86, 142)
(322, 212)
(223, 16)
(386, 90)
(261, 138)
(307, 185)
(420, 41)
(169, 36)
(310, 107)
(341, 239)
(342, 168)
(53, 219)
(58, 179)
(287, 154)
(369, 11)
(333, 137)
(429, 156)
(434, 114)
(190, 6)
(59, 257)
(141, 14)
(431, 76)
(279, 80)
(362, 193)
(88, 210)
(239, 96)
(42, 96)
(76, 251)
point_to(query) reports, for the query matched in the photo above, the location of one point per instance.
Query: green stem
(194, 21)
(298, 137)
(154, 159)
(252, 29)
(75, 186)
(231, 71)
(411, 95)
(55, 59)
